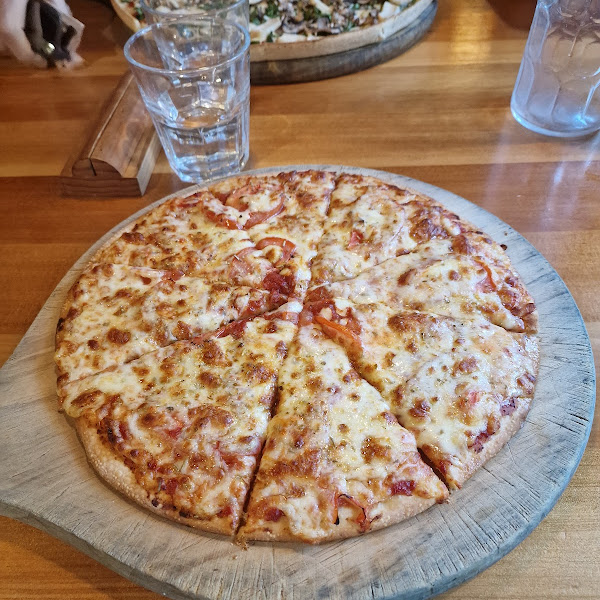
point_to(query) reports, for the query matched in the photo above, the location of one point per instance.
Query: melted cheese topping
(189, 420)
(334, 451)
(450, 383)
(117, 313)
(433, 278)
(368, 225)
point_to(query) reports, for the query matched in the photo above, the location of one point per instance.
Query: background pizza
(282, 29)
(304, 355)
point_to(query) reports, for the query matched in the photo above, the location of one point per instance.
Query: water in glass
(209, 138)
(558, 87)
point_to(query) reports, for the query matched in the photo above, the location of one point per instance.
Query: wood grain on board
(438, 113)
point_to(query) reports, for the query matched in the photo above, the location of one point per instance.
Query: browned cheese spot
(140, 371)
(133, 237)
(208, 380)
(210, 415)
(466, 365)
(123, 293)
(213, 355)
(86, 399)
(426, 229)
(420, 409)
(281, 349)
(117, 336)
(258, 373)
(407, 277)
(411, 346)
(182, 331)
(73, 312)
(350, 376)
(371, 449)
(271, 327)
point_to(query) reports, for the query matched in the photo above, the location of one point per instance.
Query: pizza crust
(112, 470)
(394, 511)
(508, 428)
(125, 16)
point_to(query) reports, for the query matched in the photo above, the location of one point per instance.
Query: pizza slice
(198, 236)
(115, 313)
(466, 277)
(336, 462)
(462, 388)
(179, 430)
(283, 215)
(369, 223)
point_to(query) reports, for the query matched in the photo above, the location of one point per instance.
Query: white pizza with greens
(300, 20)
(291, 21)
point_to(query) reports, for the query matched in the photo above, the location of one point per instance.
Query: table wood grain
(438, 113)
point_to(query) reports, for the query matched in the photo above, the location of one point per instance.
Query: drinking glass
(194, 78)
(161, 10)
(557, 91)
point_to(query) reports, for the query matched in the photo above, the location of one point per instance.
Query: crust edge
(121, 479)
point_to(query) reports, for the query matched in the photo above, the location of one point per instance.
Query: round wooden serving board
(46, 481)
(338, 58)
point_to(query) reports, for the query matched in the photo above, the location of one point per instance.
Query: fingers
(60, 6)
(18, 45)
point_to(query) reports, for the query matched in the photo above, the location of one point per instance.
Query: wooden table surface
(439, 113)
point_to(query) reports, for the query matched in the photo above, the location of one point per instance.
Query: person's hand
(13, 40)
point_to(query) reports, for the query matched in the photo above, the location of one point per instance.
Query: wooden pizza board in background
(45, 480)
(298, 67)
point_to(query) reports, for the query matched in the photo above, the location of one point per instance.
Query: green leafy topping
(313, 13)
(272, 10)
(254, 18)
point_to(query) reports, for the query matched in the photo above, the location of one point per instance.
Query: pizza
(282, 29)
(296, 356)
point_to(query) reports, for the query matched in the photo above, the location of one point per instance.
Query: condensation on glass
(557, 91)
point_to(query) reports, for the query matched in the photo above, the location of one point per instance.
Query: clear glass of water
(162, 10)
(557, 91)
(194, 77)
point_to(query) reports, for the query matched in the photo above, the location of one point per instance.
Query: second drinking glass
(194, 77)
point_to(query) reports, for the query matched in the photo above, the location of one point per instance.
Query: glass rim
(180, 14)
(183, 72)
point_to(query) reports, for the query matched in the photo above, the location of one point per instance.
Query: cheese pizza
(298, 356)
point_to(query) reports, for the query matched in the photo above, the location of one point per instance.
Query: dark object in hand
(48, 35)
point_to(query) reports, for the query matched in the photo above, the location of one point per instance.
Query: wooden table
(438, 113)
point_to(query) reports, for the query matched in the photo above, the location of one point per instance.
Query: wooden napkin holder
(118, 157)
